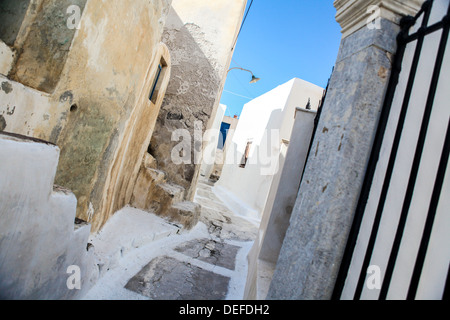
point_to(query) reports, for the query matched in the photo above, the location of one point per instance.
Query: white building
(211, 140)
(262, 135)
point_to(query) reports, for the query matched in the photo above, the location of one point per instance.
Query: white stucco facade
(277, 212)
(265, 126)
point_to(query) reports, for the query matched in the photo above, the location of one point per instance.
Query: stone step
(145, 186)
(186, 213)
(175, 192)
(38, 239)
(164, 196)
(156, 175)
(205, 183)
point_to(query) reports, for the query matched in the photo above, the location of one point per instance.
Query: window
(223, 135)
(154, 92)
(246, 154)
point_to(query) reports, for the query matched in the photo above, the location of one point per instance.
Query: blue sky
(281, 40)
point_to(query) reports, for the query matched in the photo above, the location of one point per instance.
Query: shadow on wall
(190, 97)
(12, 14)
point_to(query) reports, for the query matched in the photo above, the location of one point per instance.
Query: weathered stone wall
(98, 112)
(119, 48)
(200, 35)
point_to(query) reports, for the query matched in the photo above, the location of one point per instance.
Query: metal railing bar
(420, 259)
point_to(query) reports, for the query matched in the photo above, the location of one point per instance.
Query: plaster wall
(220, 153)
(265, 121)
(212, 139)
(6, 58)
(233, 122)
(201, 35)
(98, 112)
(280, 202)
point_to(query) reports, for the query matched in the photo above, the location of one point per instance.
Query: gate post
(322, 217)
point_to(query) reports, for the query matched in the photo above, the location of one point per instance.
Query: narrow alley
(230, 150)
(138, 252)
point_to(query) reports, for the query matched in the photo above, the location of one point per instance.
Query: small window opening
(246, 155)
(156, 87)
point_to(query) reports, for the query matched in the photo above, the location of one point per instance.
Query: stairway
(154, 193)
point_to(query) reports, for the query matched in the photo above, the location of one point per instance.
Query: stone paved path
(208, 262)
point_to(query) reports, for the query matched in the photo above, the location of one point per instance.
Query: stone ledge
(363, 39)
(352, 15)
(22, 138)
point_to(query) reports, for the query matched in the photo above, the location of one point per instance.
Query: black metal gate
(414, 123)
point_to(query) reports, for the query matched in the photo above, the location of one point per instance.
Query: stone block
(186, 213)
(166, 278)
(147, 180)
(149, 161)
(38, 238)
(164, 196)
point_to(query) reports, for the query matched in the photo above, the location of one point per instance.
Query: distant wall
(212, 139)
(280, 202)
(220, 154)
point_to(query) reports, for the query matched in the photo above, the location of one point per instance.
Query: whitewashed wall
(280, 202)
(39, 240)
(266, 118)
